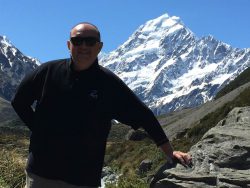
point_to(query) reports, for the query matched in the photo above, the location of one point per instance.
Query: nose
(83, 45)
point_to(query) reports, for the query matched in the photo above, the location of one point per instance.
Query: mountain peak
(5, 41)
(169, 68)
(162, 22)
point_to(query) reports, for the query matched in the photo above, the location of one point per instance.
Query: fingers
(184, 158)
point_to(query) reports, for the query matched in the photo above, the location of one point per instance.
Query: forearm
(168, 150)
(25, 112)
(24, 98)
(153, 128)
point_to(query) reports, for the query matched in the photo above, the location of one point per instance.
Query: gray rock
(136, 135)
(145, 166)
(109, 175)
(220, 159)
(107, 171)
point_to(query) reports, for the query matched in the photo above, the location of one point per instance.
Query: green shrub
(132, 181)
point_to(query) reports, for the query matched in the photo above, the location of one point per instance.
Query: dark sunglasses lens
(76, 41)
(89, 41)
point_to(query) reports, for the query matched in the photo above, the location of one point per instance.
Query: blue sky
(41, 28)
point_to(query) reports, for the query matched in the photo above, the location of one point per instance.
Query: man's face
(84, 46)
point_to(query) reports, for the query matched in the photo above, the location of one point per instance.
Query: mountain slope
(235, 94)
(243, 78)
(13, 66)
(178, 123)
(169, 68)
(6, 112)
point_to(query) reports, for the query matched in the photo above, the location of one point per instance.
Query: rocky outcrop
(109, 176)
(145, 166)
(136, 135)
(220, 159)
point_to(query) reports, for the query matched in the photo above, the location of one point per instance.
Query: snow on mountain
(13, 66)
(163, 62)
(169, 68)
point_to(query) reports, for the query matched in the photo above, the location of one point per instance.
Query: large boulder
(220, 159)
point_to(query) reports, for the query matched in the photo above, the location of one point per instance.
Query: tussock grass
(13, 152)
(126, 156)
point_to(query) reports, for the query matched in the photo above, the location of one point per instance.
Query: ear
(68, 44)
(100, 46)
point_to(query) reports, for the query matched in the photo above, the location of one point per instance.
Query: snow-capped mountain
(170, 68)
(13, 66)
(163, 62)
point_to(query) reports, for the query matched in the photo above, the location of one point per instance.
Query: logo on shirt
(93, 94)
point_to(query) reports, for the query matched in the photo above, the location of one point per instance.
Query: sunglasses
(89, 41)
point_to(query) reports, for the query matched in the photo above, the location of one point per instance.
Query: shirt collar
(94, 66)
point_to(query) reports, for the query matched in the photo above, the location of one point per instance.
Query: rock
(109, 176)
(136, 135)
(145, 166)
(106, 171)
(220, 159)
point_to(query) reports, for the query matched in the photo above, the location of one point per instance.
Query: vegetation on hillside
(122, 155)
(242, 79)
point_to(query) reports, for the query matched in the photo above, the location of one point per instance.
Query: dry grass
(13, 153)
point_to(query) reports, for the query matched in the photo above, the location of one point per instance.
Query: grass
(121, 155)
(13, 152)
(126, 156)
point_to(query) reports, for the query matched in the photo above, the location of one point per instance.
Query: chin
(84, 64)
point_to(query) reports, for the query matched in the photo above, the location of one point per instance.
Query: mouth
(84, 53)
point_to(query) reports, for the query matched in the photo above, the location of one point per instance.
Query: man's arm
(23, 100)
(131, 111)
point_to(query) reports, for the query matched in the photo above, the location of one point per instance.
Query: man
(76, 99)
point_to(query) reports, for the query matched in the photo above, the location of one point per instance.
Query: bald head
(85, 27)
(84, 52)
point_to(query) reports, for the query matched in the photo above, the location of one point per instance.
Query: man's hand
(184, 158)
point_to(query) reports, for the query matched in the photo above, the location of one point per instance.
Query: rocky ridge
(220, 159)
